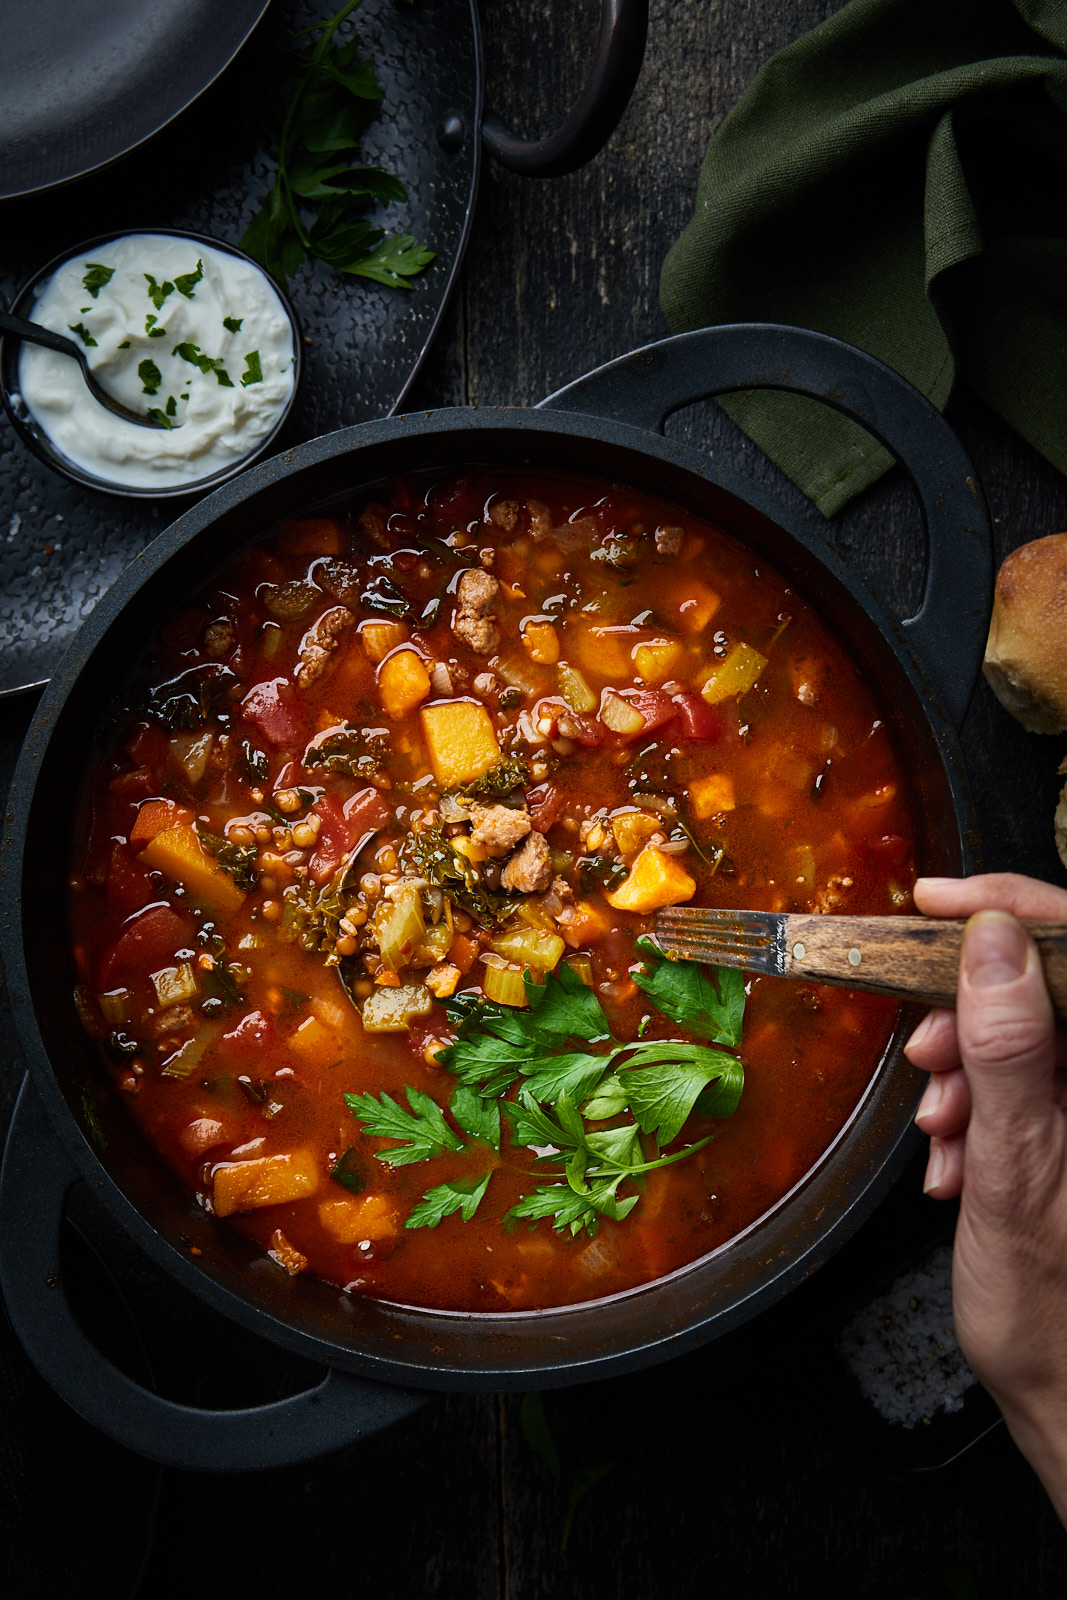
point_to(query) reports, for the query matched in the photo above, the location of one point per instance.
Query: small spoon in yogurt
(35, 334)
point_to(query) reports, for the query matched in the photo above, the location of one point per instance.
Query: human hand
(996, 1113)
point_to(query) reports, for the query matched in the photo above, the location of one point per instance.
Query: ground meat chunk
(540, 519)
(172, 1021)
(505, 513)
(476, 592)
(668, 540)
(219, 639)
(499, 828)
(530, 869)
(319, 644)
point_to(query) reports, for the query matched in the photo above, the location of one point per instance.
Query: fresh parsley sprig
(573, 1077)
(317, 203)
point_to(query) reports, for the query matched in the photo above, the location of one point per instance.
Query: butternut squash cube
(588, 924)
(710, 795)
(403, 683)
(156, 816)
(265, 1181)
(178, 854)
(698, 607)
(541, 642)
(659, 659)
(734, 675)
(606, 651)
(654, 880)
(379, 637)
(365, 1216)
(462, 741)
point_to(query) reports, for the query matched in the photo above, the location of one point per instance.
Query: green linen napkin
(897, 177)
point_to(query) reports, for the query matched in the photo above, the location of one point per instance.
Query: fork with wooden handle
(912, 958)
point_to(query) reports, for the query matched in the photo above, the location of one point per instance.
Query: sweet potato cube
(659, 659)
(380, 636)
(734, 675)
(403, 683)
(698, 608)
(710, 795)
(588, 924)
(606, 651)
(462, 741)
(365, 1216)
(654, 880)
(265, 1181)
(179, 855)
(156, 816)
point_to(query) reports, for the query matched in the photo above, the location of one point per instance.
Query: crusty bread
(1026, 652)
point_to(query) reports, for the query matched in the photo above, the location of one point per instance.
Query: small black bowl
(34, 435)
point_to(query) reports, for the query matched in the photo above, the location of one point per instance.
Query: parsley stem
(322, 44)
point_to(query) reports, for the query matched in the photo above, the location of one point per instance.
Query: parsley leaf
(83, 333)
(683, 991)
(195, 356)
(150, 376)
(316, 205)
(461, 1194)
(477, 1117)
(186, 283)
(158, 292)
(232, 324)
(253, 372)
(97, 277)
(423, 1129)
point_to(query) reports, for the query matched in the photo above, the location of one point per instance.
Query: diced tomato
(129, 885)
(334, 837)
(890, 850)
(546, 805)
(133, 786)
(147, 942)
(254, 1032)
(147, 745)
(271, 709)
(291, 776)
(585, 730)
(698, 719)
(459, 500)
(365, 812)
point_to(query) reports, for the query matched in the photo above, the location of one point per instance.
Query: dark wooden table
(731, 1467)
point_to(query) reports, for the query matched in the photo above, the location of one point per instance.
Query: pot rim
(496, 1367)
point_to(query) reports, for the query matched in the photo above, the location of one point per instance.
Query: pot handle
(947, 634)
(620, 52)
(36, 1177)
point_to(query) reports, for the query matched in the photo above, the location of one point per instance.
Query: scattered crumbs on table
(902, 1348)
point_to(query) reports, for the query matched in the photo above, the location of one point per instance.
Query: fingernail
(994, 949)
(931, 1099)
(920, 1033)
(934, 1168)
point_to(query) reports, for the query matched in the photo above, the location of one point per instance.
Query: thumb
(1005, 1024)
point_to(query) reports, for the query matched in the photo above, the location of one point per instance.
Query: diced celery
(534, 914)
(400, 926)
(531, 947)
(435, 945)
(391, 1010)
(574, 689)
(517, 670)
(503, 983)
(734, 675)
(184, 1062)
(114, 1006)
(271, 639)
(583, 967)
(176, 986)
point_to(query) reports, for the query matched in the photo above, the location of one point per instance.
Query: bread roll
(1026, 652)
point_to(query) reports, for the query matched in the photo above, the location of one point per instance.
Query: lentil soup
(368, 850)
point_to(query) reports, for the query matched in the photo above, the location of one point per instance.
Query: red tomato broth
(818, 818)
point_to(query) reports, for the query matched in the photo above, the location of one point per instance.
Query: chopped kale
(353, 751)
(432, 856)
(239, 860)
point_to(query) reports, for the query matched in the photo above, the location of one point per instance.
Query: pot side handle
(616, 66)
(36, 1177)
(948, 632)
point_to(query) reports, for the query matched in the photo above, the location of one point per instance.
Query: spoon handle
(38, 335)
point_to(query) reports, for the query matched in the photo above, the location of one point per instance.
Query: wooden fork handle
(910, 957)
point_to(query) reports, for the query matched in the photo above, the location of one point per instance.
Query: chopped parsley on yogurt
(191, 336)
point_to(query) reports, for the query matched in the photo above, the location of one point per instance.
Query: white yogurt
(196, 333)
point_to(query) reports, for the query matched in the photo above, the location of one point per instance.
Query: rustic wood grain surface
(737, 1467)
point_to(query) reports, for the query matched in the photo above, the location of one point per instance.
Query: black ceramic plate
(62, 547)
(81, 85)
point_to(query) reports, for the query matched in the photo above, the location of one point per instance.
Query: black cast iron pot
(380, 1356)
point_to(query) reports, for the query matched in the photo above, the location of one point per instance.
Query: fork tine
(750, 940)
